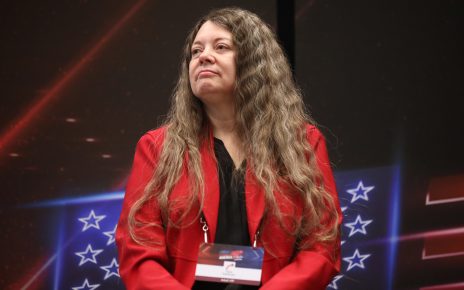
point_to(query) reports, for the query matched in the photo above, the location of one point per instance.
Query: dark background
(83, 80)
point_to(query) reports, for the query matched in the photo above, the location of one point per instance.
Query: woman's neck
(222, 121)
(224, 128)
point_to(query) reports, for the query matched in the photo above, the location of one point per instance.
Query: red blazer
(172, 264)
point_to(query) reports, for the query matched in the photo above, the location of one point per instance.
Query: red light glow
(23, 121)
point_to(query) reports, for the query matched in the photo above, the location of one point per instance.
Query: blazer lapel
(211, 201)
(254, 196)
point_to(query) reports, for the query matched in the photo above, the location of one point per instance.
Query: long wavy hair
(270, 121)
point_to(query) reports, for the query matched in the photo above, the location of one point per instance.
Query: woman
(239, 155)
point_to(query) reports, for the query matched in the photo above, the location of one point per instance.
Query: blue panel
(369, 200)
(88, 257)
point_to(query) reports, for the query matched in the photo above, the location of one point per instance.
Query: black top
(232, 225)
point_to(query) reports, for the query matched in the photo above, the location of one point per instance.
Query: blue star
(91, 221)
(360, 192)
(357, 260)
(111, 269)
(358, 226)
(333, 284)
(86, 286)
(89, 255)
(110, 235)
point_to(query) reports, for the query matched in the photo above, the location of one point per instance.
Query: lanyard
(205, 229)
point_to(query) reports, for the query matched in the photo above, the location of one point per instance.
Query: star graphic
(360, 192)
(358, 226)
(333, 284)
(110, 235)
(86, 286)
(111, 269)
(89, 255)
(357, 260)
(92, 221)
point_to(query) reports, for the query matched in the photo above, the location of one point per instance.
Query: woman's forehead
(212, 31)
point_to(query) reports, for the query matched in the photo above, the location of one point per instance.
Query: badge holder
(228, 263)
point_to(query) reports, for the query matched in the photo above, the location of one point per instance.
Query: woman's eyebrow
(215, 40)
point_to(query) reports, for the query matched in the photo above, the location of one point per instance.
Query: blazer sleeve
(143, 266)
(313, 269)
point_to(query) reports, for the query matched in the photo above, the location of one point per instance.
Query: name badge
(229, 264)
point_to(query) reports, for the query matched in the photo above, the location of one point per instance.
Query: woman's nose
(206, 56)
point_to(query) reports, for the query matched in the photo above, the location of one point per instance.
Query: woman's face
(212, 65)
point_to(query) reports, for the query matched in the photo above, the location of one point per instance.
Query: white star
(333, 284)
(110, 235)
(91, 221)
(357, 260)
(85, 257)
(111, 269)
(360, 192)
(86, 286)
(358, 226)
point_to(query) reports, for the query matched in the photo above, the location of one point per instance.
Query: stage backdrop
(83, 80)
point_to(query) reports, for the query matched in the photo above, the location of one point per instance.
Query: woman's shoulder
(153, 138)
(156, 133)
(313, 133)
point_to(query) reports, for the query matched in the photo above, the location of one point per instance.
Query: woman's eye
(196, 51)
(221, 47)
